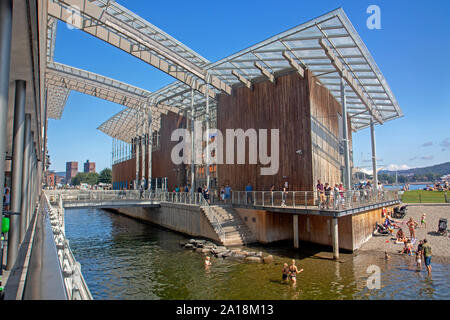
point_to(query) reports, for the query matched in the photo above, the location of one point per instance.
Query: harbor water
(122, 258)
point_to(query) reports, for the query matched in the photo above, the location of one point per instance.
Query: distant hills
(438, 169)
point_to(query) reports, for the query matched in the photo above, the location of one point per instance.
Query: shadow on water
(122, 258)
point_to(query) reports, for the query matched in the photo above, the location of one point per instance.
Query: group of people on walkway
(330, 197)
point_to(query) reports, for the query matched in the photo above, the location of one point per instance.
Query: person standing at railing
(249, 193)
(342, 195)
(206, 194)
(336, 195)
(327, 191)
(141, 191)
(227, 193)
(222, 193)
(320, 193)
(284, 194)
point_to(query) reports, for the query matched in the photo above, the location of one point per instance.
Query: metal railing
(311, 199)
(75, 285)
(188, 198)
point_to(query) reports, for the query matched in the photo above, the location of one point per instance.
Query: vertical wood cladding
(162, 165)
(326, 114)
(302, 109)
(306, 114)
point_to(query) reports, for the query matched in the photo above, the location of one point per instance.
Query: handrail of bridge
(196, 198)
(335, 201)
(75, 285)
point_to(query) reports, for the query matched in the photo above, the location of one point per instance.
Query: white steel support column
(150, 146)
(207, 132)
(192, 145)
(374, 156)
(144, 142)
(25, 177)
(335, 237)
(5, 59)
(30, 177)
(347, 175)
(17, 164)
(295, 225)
(136, 187)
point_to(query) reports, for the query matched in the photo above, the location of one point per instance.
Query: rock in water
(268, 259)
(189, 246)
(253, 259)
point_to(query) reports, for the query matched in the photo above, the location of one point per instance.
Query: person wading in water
(285, 271)
(293, 272)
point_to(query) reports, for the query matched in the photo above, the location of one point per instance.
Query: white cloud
(394, 167)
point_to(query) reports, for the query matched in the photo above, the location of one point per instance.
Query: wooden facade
(305, 113)
(307, 116)
(162, 165)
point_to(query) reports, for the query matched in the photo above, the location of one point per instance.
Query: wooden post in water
(335, 236)
(295, 224)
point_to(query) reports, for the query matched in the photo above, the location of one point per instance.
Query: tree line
(390, 178)
(92, 178)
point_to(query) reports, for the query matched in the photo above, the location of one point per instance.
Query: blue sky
(411, 49)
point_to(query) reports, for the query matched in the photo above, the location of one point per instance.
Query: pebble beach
(440, 244)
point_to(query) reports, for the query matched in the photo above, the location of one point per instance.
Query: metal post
(143, 144)
(17, 164)
(295, 224)
(5, 59)
(374, 157)
(207, 131)
(192, 144)
(30, 184)
(25, 177)
(150, 148)
(335, 236)
(347, 177)
(137, 151)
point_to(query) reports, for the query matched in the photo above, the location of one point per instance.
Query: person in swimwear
(293, 271)
(412, 228)
(422, 221)
(285, 271)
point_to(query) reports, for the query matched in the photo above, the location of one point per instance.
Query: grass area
(422, 196)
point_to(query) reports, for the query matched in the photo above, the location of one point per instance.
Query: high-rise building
(71, 170)
(89, 166)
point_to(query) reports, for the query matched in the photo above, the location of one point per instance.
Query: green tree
(90, 178)
(79, 178)
(105, 176)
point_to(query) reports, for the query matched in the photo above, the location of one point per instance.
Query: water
(411, 186)
(125, 259)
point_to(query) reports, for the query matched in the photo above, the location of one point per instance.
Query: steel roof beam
(242, 79)
(105, 26)
(294, 64)
(351, 82)
(265, 72)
